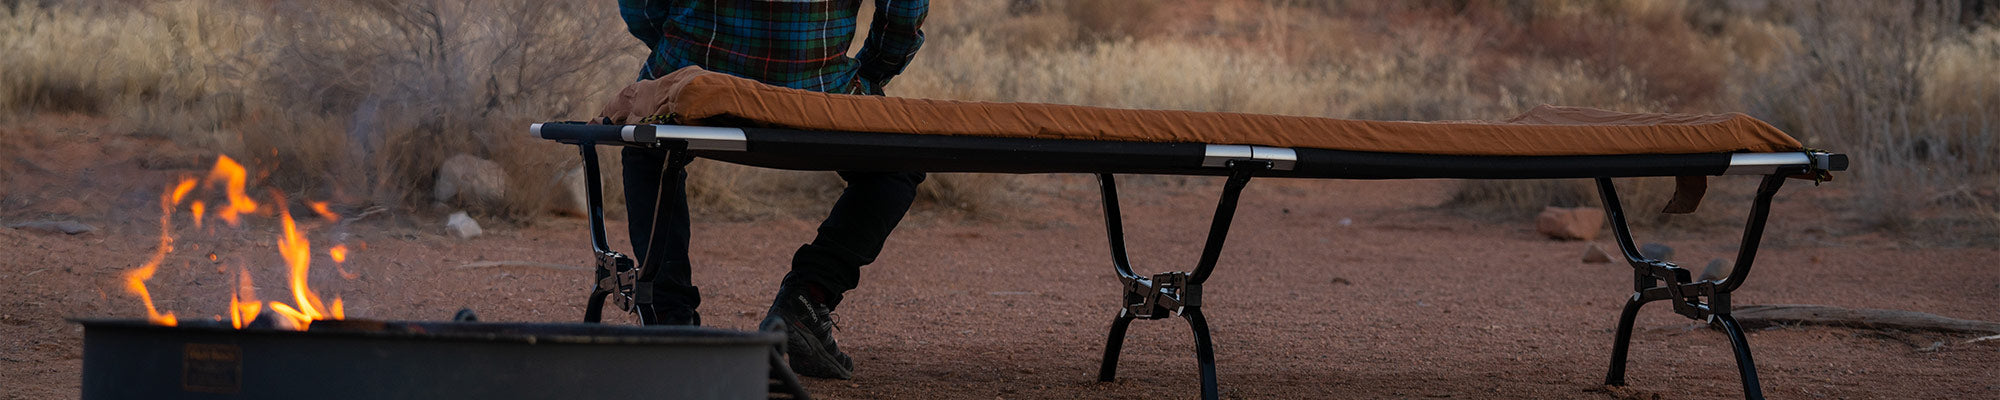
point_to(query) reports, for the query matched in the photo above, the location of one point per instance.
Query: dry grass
(362, 98)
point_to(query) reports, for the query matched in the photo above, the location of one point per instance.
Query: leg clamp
(1695, 300)
(617, 276)
(1161, 296)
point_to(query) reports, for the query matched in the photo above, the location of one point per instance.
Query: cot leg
(1752, 389)
(1112, 345)
(1166, 294)
(593, 309)
(1623, 342)
(1204, 352)
(1700, 300)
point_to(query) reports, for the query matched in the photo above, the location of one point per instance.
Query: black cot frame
(1180, 293)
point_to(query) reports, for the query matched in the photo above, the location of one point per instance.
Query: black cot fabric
(867, 151)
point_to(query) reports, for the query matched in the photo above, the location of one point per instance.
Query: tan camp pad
(692, 96)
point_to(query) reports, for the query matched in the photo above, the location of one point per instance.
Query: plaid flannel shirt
(799, 44)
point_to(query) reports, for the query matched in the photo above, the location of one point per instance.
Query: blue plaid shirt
(799, 44)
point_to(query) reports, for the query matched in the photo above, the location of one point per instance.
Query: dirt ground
(1327, 289)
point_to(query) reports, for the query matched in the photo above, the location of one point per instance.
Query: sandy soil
(1406, 301)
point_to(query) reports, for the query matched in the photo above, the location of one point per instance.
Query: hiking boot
(808, 328)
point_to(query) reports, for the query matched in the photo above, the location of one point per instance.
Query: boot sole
(808, 357)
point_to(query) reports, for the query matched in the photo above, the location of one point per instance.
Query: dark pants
(851, 236)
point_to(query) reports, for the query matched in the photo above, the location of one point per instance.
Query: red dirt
(1407, 301)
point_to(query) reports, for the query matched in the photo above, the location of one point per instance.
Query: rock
(1581, 223)
(1715, 270)
(576, 196)
(54, 227)
(470, 181)
(462, 226)
(1656, 251)
(1595, 255)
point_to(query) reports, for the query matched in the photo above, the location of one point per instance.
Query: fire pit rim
(505, 332)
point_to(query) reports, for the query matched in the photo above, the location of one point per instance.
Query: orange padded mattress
(692, 96)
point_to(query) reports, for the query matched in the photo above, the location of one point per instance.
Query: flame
(198, 209)
(243, 305)
(339, 254)
(135, 281)
(320, 207)
(181, 190)
(298, 254)
(289, 312)
(233, 176)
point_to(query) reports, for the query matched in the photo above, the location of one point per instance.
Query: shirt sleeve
(644, 19)
(893, 39)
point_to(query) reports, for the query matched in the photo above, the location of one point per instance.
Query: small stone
(462, 226)
(1656, 251)
(1581, 223)
(1593, 254)
(1715, 270)
(470, 181)
(54, 227)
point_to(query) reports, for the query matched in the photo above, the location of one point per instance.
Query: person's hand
(863, 87)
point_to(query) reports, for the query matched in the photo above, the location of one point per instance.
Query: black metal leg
(1752, 389)
(1623, 342)
(593, 309)
(1204, 352)
(1165, 294)
(1662, 280)
(1108, 371)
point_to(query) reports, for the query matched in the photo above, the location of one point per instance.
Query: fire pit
(361, 359)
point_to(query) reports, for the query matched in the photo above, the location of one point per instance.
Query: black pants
(851, 236)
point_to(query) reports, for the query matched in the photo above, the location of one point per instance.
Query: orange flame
(298, 254)
(181, 190)
(135, 281)
(233, 176)
(198, 208)
(320, 207)
(339, 254)
(243, 305)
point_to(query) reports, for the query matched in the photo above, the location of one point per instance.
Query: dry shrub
(76, 58)
(355, 99)
(1911, 98)
(1107, 20)
(405, 85)
(980, 196)
(735, 192)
